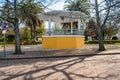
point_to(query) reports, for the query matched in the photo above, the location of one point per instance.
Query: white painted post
(78, 31)
(79, 24)
(71, 27)
(49, 25)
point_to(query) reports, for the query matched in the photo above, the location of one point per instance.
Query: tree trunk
(31, 35)
(34, 32)
(100, 36)
(17, 38)
(100, 30)
(16, 30)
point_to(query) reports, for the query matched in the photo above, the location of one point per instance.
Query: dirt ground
(37, 51)
(105, 67)
(97, 67)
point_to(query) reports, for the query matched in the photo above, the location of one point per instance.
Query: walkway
(105, 67)
(37, 51)
(94, 67)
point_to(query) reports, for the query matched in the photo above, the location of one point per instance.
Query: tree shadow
(55, 67)
(52, 70)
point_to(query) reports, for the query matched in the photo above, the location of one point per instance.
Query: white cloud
(57, 6)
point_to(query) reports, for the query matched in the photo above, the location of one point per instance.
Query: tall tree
(91, 30)
(102, 10)
(16, 29)
(11, 14)
(79, 5)
(29, 11)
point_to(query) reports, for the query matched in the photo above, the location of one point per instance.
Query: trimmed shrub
(27, 42)
(1, 39)
(114, 38)
(105, 42)
(35, 42)
(10, 38)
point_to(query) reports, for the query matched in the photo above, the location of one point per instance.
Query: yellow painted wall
(63, 42)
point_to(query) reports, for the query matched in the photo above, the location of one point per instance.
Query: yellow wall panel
(63, 42)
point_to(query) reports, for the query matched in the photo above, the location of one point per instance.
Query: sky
(57, 6)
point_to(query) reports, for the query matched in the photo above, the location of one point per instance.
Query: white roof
(61, 16)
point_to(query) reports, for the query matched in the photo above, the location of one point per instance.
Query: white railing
(64, 32)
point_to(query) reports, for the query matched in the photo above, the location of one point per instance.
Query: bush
(27, 42)
(114, 38)
(24, 42)
(35, 42)
(10, 38)
(91, 42)
(25, 38)
(1, 39)
(105, 42)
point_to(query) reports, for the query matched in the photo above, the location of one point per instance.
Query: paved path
(105, 67)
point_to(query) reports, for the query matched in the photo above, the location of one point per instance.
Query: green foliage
(114, 38)
(105, 42)
(26, 34)
(28, 42)
(1, 38)
(35, 42)
(110, 31)
(29, 11)
(79, 5)
(40, 30)
(91, 29)
(10, 38)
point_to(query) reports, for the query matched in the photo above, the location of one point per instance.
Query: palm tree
(78, 5)
(12, 13)
(29, 11)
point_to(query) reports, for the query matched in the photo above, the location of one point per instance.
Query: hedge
(105, 42)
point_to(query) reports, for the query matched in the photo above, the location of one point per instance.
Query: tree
(91, 30)
(78, 5)
(26, 33)
(10, 14)
(110, 31)
(102, 9)
(29, 11)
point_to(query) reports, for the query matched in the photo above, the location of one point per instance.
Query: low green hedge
(105, 42)
(27, 42)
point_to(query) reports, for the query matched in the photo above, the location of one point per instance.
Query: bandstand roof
(61, 16)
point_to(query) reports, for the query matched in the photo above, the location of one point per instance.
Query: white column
(79, 31)
(79, 24)
(71, 27)
(49, 26)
